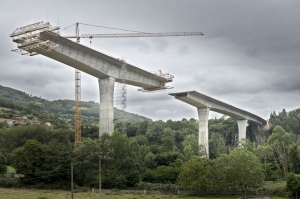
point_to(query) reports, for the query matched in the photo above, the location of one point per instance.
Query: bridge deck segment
(98, 64)
(199, 100)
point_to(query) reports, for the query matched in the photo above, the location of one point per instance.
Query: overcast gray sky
(249, 56)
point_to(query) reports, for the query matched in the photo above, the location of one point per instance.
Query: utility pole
(72, 183)
(99, 176)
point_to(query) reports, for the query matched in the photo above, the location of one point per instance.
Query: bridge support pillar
(203, 131)
(242, 124)
(106, 119)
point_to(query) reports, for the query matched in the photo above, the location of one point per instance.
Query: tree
(86, 161)
(142, 140)
(3, 167)
(294, 159)
(197, 174)
(227, 127)
(120, 147)
(188, 152)
(166, 158)
(293, 183)
(168, 140)
(106, 150)
(149, 161)
(191, 140)
(166, 174)
(144, 127)
(264, 153)
(30, 159)
(154, 131)
(216, 145)
(279, 142)
(133, 177)
(132, 130)
(91, 132)
(44, 163)
(242, 170)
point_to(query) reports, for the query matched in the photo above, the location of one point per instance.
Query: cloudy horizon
(248, 57)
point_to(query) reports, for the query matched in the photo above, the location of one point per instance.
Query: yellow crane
(77, 119)
(114, 35)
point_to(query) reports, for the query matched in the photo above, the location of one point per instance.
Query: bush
(132, 178)
(9, 180)
(274, 188)
(158, 187)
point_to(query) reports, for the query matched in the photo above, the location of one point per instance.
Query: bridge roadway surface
(204, 104)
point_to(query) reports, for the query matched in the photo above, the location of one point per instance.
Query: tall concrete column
(106, 88)
(203, 130)
(242, 124)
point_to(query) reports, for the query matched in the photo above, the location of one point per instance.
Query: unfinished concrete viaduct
(205, 103)
(42, 38)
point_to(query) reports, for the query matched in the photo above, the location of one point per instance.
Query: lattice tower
(77, 127)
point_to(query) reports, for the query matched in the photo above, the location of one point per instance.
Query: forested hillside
(155, 155)
(24, 104)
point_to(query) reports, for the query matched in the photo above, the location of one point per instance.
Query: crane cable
(111, 28)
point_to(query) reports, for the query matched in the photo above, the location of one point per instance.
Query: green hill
(23, 103)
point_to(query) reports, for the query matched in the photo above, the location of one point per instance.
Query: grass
(3, 108)
(57, 194)
(277, 197)
(10, 169)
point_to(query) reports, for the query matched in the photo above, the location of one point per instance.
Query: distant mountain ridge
(63, 108)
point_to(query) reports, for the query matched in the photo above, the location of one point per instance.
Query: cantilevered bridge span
(43, 38)
(205, 103)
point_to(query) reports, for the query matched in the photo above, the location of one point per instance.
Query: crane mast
(77, 119)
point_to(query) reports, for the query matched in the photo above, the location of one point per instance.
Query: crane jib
(120, 35)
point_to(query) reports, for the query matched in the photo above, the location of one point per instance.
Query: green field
(56, 194)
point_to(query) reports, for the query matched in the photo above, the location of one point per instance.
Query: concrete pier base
(242, 124)
(203, 131)
(106, 120)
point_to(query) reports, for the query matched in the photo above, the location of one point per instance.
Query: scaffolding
(30, 39)
(163, 86)
(121, 95)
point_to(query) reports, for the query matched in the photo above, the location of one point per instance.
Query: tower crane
(114, 35)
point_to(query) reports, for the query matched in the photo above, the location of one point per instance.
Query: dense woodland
(155, 155)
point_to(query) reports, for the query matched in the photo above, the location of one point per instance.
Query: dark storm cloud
(249, 55)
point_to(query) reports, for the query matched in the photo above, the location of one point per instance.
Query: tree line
(159, 152)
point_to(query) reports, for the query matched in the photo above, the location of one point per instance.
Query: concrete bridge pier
(106, 88)
(203, 113)
(242, 125)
